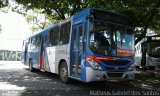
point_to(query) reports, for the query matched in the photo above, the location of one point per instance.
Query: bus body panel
(35, 55)
(51, 54)
(55, 55)
(61, 54)
(152, 61)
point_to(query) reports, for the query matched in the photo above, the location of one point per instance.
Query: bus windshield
(155, 48)
(111, 39)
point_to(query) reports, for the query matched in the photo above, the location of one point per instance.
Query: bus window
(54, 36)
(33, 42)
(64, 33)
(80, 37)
(38, 41)
(45, 41)
(84, 37)
(74, 38)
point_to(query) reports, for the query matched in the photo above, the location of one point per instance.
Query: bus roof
(87, 11)
(106, 15)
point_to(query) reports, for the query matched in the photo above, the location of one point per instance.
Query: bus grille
(114, 74)
(114, 62)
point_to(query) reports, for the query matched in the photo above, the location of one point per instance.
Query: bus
(147, 55)
(92, 45)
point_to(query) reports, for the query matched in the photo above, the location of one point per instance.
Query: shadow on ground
(48, 84)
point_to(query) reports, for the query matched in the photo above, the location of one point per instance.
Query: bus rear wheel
(63, 73)
(31, 66)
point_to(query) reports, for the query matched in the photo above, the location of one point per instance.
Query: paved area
(17, 80)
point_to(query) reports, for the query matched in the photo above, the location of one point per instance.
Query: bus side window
(33, 42)
(84, 37)
(30, 40)
(54, 36)
(38, 41)
(80, 37)
(45, 41)
(65, 33)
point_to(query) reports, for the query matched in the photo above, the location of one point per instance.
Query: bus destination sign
(155, 38)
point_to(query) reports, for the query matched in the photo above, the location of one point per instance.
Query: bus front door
(143, 60)
(76, 51)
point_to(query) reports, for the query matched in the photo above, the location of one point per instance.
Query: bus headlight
(131, 68)
(94, 64)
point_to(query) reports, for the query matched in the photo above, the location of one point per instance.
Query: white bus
(147, 54)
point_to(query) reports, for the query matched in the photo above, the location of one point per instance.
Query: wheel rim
(63, 72)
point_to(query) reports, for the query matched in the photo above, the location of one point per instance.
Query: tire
(63, 73)
(31, 66)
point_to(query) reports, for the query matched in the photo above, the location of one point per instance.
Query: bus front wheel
(63, 73)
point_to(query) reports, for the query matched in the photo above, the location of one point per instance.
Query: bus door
(76, 50)
(42, 47)
(143, 50)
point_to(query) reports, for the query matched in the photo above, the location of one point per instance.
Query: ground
(17, 80)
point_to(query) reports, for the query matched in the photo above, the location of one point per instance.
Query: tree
(58, 9)
(144, 13)
(38, 19)
(3, 3)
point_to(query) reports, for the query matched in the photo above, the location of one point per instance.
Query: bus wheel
(63, 73)
(31, 66)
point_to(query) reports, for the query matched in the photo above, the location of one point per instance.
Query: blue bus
(92, 45)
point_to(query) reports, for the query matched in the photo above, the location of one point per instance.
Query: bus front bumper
(96, 75)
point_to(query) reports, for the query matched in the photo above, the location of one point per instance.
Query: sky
(15, 29)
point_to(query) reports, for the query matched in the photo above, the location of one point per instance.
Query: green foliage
(3, 3)
(39, 19)
(144, 13)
